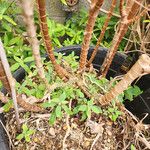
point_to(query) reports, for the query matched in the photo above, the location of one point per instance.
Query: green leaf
(14, 40)
(30, 132)
(28, 59)
(63, 96)
(133, 147)
(64, 2)
(41, 87)
(66, 109)
(128, 94)
(18, 59)
(9, 20)
(84, 116)
(52, 118)
(48, 104)
(27, 138)
(58, 111)
(88, 113)
(8, 106)
(24, 128)
(20, 137)
(14, 67)
(82, 108)
(136, 91)
(6, 27)
(96, 109)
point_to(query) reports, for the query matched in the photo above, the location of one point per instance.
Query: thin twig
(10, 141)
(68, 128)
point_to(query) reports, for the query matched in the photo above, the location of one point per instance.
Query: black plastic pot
(113, 71)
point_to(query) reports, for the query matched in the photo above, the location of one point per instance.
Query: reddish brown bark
(44, 28)
(3, 78)
(93, 13)
(113, 4)
(142, 66)
(21, 102)
(129, 14)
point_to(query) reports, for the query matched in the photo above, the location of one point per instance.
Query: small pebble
(52, 131)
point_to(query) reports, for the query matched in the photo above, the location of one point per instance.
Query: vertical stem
(11, 81)
(113, 4)
(27, 8)
(129, 13)
(111, 53)
(93, 13)
(44, 27)
(3, 78)
(140, 67)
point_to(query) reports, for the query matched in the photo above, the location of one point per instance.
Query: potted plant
(68, 104)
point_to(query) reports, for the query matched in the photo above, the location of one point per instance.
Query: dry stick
(62, 73)
(11, 81)
(109, 15)
(93, 13)
(21, 102)
(142, 66)
(27, 7)
(3, 78)
(130, 13)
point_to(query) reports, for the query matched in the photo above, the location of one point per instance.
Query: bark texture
(93, 13)
(142, 66)
(3, 78)
(128, 15)
(21, 102)
(27, 8)
(62, 73)
(109, 15)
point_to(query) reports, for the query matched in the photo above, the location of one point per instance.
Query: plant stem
(22, 102)
(93, 13)
(109, 15)
(142, 66)
(27, 8)
(62, 73)
(3, 78)
(11, 81)
(128, 16)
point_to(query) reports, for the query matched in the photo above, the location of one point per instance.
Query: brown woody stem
(142, 66)
(27, 7)
(21, 102)
(44, 27)
(3, 78)
(93, 13)
(113, 4)
(130, 13)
